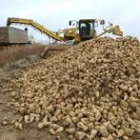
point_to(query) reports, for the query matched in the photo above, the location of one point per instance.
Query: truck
(13, 36)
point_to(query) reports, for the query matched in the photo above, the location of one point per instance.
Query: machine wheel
(76, 42)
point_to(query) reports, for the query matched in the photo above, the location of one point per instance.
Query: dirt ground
(7, 112)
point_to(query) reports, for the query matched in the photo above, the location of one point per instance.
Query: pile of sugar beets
(89, 92)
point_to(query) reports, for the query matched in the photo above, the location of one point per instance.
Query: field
(12, 54)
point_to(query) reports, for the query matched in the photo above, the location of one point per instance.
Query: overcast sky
(55, 14)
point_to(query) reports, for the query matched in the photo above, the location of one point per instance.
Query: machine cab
(87, 29)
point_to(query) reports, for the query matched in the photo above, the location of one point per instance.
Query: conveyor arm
(36, 26)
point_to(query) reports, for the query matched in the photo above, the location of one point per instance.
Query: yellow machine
(84, 29)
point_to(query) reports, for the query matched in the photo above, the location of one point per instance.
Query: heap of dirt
(91, 91)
